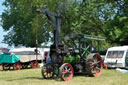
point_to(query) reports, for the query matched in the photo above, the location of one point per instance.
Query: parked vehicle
(8, 60)
(21, 57)
(72, 55)
(117, 57)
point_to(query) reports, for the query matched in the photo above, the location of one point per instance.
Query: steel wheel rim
(66, 72)
(96, 66)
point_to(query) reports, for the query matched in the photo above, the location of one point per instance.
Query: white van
(117, 57)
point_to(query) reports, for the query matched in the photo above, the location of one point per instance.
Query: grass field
(33, 77)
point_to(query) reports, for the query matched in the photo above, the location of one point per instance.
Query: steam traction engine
(71, 56)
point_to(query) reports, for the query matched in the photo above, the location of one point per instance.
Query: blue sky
(1, 30)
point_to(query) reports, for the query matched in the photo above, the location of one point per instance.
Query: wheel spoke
(97, 69)
(69, 69)
(97, 62)
(64, 72)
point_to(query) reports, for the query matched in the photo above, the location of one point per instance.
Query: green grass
(33, 77)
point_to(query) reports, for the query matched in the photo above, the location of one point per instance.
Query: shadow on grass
(25, 78)
(33, 78)
(81, 75)
(20, 69)
(56, 78)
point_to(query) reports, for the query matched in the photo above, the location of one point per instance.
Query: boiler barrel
(71, 59)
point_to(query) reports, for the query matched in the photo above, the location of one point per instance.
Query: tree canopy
(104, 18)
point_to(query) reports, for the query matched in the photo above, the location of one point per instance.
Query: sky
(1, 29)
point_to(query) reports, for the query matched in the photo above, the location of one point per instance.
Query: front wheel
(66, 72)
(47, 71)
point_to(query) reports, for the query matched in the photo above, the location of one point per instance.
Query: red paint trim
(66, 71)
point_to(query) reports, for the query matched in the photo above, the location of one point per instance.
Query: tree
(24, 25)
(117, 28)
(95, 17)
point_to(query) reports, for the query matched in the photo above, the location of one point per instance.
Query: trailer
(117, 57)
(8, 60)
(28, 56)
(21, 58)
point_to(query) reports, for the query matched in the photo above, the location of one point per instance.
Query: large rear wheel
(66, 72)
(94, 65)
